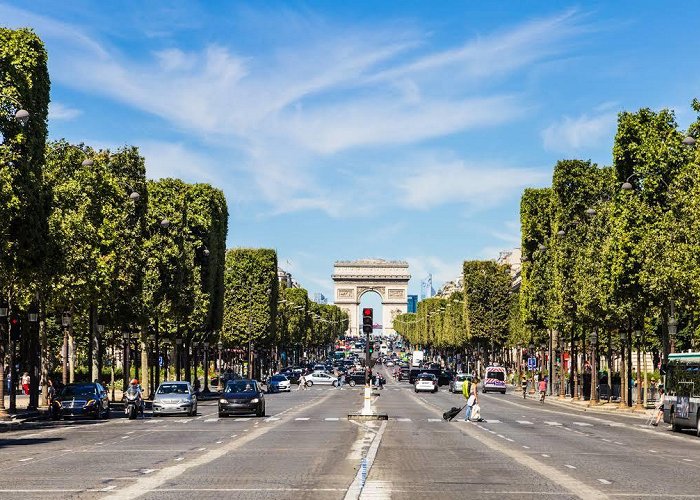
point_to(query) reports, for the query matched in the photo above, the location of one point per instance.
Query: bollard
(367, 408)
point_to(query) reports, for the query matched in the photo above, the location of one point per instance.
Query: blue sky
(342, 130)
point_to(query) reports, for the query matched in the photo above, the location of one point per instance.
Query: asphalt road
(307, 448)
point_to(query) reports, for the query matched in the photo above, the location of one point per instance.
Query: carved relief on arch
(346, 293)
(381, 290)
(396, 294)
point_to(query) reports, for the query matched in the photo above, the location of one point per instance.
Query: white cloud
(323, 92)
(165, 159)
(570, 135)
(442, 270)
(476, 184)
(59, 111)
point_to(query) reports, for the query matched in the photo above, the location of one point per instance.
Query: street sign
(531, 363)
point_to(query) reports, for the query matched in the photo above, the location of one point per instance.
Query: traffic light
(371, 348)
(367, 321)
(15, 327)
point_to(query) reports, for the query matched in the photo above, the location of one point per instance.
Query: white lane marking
(526, 447)
(211, 420)
(653, 451)
(569, 466)
(604, 481)
(355, 489)
(126, 437)
(219, 442)
(234, 435)
(583, 424)
(332, 419)
(509, 439)
(606, 440)
(687, 460)
(403, 419)
(201, 449)
(179, 458)
(101, 442)
(147, 471)
(26, 459)
(434, 420)
(301, 419)
(545, 455)
(271, 419)
(108, 488)
(553, 423)
(617, 442)
(492, 421)
(524, 422)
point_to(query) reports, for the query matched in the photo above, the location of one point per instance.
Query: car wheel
(335, 384)
(108, 413)
(352, 383)
(503, 392)
(697, 427)
(674, 426)
(221, 415)
(309, 383)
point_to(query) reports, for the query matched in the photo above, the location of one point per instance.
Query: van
(494, 379)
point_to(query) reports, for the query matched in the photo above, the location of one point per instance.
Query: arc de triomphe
(389, 278)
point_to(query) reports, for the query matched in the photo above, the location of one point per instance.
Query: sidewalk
(602, 407)
(21, 414)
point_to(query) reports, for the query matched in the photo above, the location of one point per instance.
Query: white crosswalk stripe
(403, 419)
(524, 422)
(583, 424)
(553, 423)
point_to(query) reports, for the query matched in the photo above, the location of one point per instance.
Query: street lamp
(4, 313)
(594, 372)
(220, 346)
(165, 223)
(178, 345)
(125, 363)
(689, 140)
(33, 317)
(206, 366)
(639, 406)
(590, 212)
(66, 323)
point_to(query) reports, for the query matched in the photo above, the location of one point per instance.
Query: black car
(81, 400)
(358, 378)
(445, 377)
(242, 397)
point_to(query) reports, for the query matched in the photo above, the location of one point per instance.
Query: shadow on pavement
(27, 441)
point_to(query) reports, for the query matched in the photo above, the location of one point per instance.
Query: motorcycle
(132, 404)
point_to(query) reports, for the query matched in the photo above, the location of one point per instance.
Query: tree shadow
(5, 443)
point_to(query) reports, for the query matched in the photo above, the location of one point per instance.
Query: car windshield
(496, 375)
(462, 378)
(426, 376)
(78, 391)
(172, 389)
(278, 378)
(241, 386)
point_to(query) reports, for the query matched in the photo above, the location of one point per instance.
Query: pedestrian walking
(302, 383)
(469, 393)
(341, 375)
(659, 407)
(26, 379)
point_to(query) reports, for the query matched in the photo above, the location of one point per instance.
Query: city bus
(682, 401)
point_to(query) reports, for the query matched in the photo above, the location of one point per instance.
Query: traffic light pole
(368, 356)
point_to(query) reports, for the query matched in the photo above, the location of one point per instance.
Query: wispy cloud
(442, 270)
(59, 111)
(574, 134)
(479, 185)
(286, 111)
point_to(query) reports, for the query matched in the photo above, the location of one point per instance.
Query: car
(445, 377)
(388, 363)
(279, 383)
(175, 397)
(426, 382)
(494, 379)
(457, 381)
(81, 400)
(319, 368)
(404, 373)
(242, 397)
(321, 378)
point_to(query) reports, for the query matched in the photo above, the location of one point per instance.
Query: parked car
(242, 397)
(445, 377)
(81, 400)
(457, 381)
(426, 382)
(175, 397)
(321, 378)
(279, 383)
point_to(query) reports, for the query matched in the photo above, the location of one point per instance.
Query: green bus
(682, 400)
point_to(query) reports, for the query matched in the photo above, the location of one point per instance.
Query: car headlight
(255, 400)
(90, 403)
(223, 401)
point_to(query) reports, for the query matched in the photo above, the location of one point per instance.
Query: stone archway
(388, 278)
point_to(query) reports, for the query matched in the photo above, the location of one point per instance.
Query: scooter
(132, 404)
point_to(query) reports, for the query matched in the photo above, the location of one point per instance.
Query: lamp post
(4, 312)
(154, 362)
(206, 366)
(530, 351)
(220, 346)
(178, 363)
(33, 317)
(66, 323)
(639, 406)
(594, 369)
(125, 360)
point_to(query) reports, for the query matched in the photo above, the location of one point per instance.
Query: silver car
(175, 397)
(457, 381)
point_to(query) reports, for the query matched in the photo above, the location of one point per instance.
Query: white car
(426, 382)
(321, 378)
(457, 381)
(279, 383)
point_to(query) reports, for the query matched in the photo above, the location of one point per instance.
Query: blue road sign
(531, 363)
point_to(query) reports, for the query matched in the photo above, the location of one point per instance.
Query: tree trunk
(147, 389)
(44, 353)
(71, 355)
(94, 350)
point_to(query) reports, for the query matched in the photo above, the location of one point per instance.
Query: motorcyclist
(134, 387)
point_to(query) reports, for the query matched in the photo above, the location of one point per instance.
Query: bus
(682, 401)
